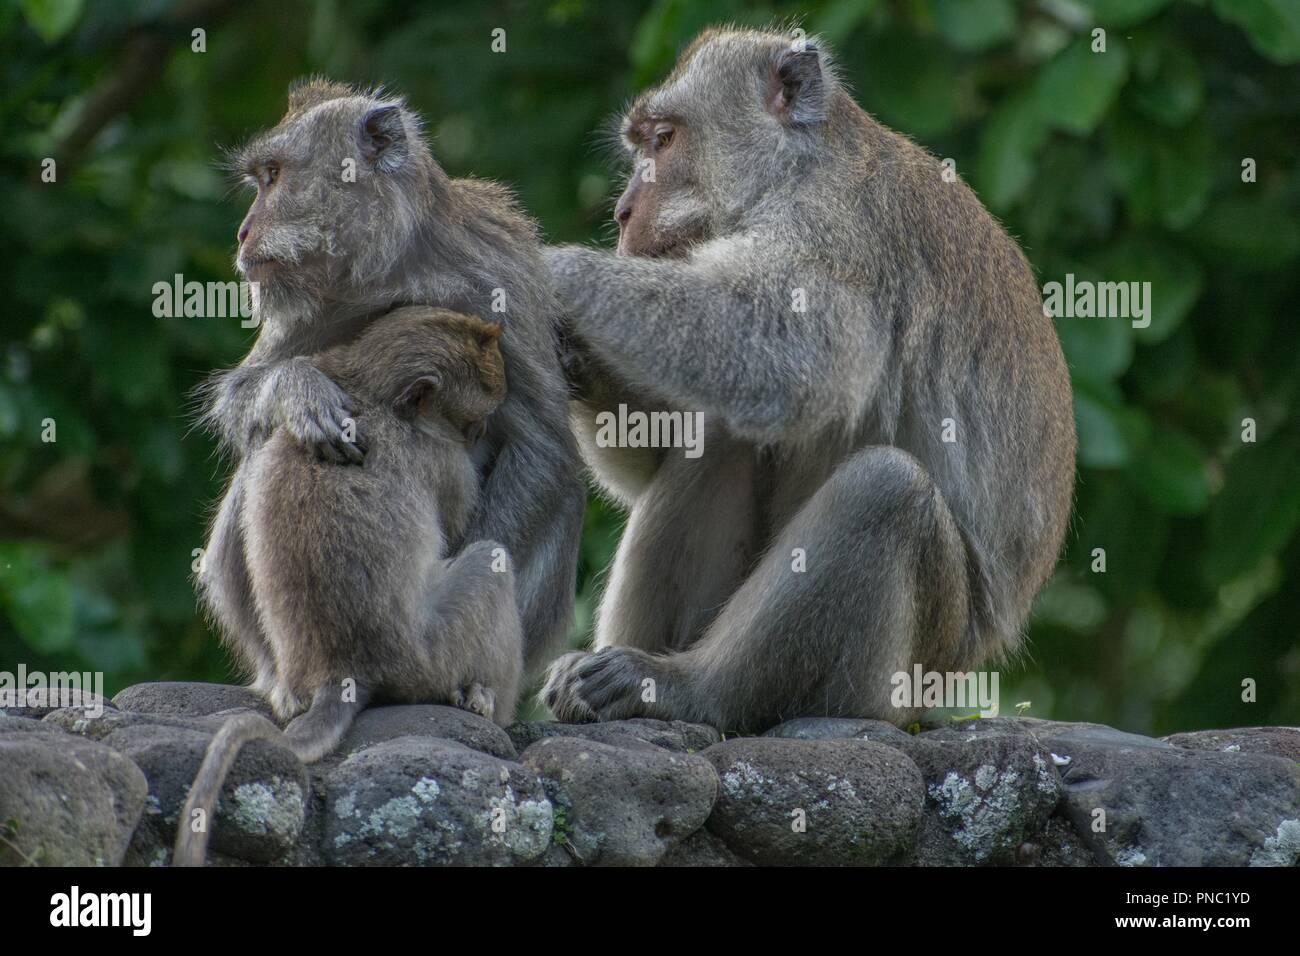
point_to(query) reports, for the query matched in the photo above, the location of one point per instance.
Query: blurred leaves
(1272, 25)
(1074, 90)
(975, 25)
(51, 19)
(1116, 166)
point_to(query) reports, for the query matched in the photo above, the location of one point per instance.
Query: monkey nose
(243, 232)
(622, 213)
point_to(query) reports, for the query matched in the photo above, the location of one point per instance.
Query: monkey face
(338, 187)
(739, 115)
(663, 209)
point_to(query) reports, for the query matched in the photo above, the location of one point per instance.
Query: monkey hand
(477, 699)
(614, 683)
(315, 411)
(581, 371)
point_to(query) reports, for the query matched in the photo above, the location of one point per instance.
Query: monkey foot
(477, 699)
(614, 683)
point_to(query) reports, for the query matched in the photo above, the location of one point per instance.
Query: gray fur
(344, 253)
(824, 426)
(350, 571)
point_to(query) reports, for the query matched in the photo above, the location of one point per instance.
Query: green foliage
(1117, 166)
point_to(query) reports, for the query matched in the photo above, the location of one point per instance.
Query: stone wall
(427, 785)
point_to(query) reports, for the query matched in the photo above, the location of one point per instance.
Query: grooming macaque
(354, 217)
(889, 450)
(349, 568)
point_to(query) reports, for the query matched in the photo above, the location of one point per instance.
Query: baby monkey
(355, 599)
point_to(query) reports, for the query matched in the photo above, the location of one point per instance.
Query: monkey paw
(319, 415)
(477, 699)
(614, 683)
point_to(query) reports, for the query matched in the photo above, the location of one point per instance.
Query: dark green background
(1124, 166)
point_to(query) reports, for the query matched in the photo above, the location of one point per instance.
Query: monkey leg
(689, 541)
(226, 589)
(474, 636)
(884, 586)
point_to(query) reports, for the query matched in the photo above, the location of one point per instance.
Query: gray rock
(1063, 736)
(66, 801)
(89, 701)
(984, 796)
(1278, 741)
(676, 735)
(259, 816)
(1057, 845)
(859, 802)
(188, 699)
(702, 848)
(1167, 806)
(838, 728)
(556, 855)
(421, 801)
(24, 725)
(99, 728)
(621, 805)
(427, 720)
(1036, 729)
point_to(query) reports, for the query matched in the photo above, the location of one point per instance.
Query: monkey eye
(663, 136)
(268, 174)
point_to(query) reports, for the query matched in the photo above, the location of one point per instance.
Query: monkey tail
(310, 737)
(192, 846)
(319, 731)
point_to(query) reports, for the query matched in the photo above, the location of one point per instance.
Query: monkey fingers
(558, 691)
(477, 699)
(615, 683)
(333, 434)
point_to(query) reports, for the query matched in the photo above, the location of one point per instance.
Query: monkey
(352, 216)
(348, 566)
(889, 459)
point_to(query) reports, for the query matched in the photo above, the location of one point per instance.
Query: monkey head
(342, 181)
(429, 365)
(739, 115)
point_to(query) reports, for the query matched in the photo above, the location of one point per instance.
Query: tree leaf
(1174, 92)
(36, 597)
(975, 25)
(1273, 26)
(1171, 473)
(51, 19)
(1253, 234)
(836, 20)
(1012, 137)
(911, 83)
(1175, 279)
(1165, 175)
(1124, 13)
(1109, 432)
(1258, 509)
(1076, 88)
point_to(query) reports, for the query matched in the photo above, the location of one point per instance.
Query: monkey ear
(383, 137)
(409, 404)
(800, 98)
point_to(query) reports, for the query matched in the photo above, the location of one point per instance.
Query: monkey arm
(230, 398)
(246, 403)
(532, 503)
(760, 347)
